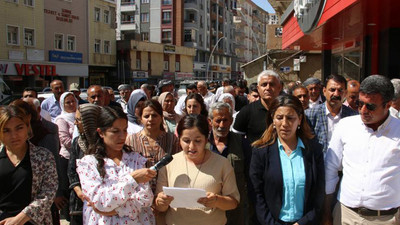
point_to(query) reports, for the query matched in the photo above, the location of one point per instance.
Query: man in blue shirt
(52, 104)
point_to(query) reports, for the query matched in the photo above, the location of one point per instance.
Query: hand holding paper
(185, 197)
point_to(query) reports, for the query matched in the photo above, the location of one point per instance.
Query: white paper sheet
(185, 197)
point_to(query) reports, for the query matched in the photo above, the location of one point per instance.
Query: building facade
(102, 42)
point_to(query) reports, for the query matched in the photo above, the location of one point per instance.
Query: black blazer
(266, 176)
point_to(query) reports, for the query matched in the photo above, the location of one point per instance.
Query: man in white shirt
(366, 148)
(314, 88)
(180, 105)
(395, 107)
(203, 91)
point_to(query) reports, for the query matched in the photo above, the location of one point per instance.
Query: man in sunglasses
(324, 117)
(353, 88)
(395, 108)
(366, 148)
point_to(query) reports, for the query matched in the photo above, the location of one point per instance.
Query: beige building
(102, 42)
(22, 42)
(150, 62)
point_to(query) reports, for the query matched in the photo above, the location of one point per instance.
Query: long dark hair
(108, 115)
(270, 135)
(156, 106)
(200, 100)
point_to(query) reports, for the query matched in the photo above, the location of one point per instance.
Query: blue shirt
(294, 180)
(52, 106)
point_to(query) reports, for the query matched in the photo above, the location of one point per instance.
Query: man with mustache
(229, 145)
(324, 117)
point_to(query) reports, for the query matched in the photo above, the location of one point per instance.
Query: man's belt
(369, 212)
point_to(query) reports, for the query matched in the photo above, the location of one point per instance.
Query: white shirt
(134, 128)
(332, 120)
(394, 112)
(180, 105)
(370, 161)
(312, 104)
(208, 99)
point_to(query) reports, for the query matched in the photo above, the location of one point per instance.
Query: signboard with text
(42, 69)
(68, 57)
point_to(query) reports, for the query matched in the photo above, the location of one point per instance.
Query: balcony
(166, 40)
(128, 6)
(166, 21)
(128, 25)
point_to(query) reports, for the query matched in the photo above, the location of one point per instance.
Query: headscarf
(89, 114)
(167, 115)
(230, 96)
(70, 117)
(132, 102)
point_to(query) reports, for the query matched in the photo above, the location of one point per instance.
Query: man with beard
(229, 145)
(324, 117)
(52, 104)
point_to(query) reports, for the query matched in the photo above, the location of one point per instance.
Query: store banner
(67, 57)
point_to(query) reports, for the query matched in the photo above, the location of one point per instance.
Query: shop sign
(140, 74)
(169, 49)
(183, 76)
(308, 13)
(42, 69)
(200, 66)
(296, 64)
(285, 69)
(67, 57)
(168, 75)
(65, 15)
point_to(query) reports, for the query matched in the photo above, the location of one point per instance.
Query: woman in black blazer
(287, 168)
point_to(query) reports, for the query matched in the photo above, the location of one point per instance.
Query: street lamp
(208, 64)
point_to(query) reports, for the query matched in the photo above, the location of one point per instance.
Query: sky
(264, 4)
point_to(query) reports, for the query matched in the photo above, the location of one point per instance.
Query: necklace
(198, 171)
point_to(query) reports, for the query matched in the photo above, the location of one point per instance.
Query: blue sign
(67, 57)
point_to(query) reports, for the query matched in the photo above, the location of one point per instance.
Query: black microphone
(163, 162)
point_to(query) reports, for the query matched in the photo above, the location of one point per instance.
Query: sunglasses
(369, 106)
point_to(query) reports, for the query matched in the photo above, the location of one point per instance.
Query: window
(29, 2)
(107, 47)
(177, 66)
(167, 2)
(59, 41)
(29, 37)
(12, 35)
(144, 17)
(145, 1)
(71, 43)
(106, 16)
(189, 36)
(97, 44)
(138, 64)
(278, 32)
(166, 37)
(166, 65)
(97, 14)
(145, 36)
(166, 17)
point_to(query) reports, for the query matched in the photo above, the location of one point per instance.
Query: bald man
(95, 95)
(52, 104)
(353, 88)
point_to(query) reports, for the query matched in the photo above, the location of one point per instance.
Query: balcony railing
(166, 40)
(166, 21)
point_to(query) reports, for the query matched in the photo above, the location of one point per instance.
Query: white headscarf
(70, 117)
(230, 96)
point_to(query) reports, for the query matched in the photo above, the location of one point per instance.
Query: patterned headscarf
(89, 114)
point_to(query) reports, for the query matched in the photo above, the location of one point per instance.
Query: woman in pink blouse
(113, 177)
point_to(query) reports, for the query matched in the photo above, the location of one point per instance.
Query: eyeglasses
(370, 107)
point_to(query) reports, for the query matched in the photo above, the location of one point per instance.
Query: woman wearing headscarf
(171, 119)
(135, 104)
(86, 122)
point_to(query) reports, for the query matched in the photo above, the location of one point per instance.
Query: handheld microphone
(163, 162)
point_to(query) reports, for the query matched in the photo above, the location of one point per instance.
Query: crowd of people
(271, 153)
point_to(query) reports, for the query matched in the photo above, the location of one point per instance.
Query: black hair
(378, 84)
(200, 100)
(191, 121)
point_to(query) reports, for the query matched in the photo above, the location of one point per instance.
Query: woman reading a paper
(197, 167)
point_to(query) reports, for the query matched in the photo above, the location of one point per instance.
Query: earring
(274, 126)
(298, 128)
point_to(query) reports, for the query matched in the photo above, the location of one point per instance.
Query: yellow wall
(102, 31)
(24, 17)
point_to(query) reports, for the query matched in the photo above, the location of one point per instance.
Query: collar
(300, 144)
(327, 112)
(319, 100)
(382, 126)
(259, 105)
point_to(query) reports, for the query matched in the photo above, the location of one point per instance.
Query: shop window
(29, 2)
(71, 43)
(144, 17)
(106, 16)
(12, 35)
(97, 14)
(97, 44)
(29, 37)
(59, 41)
(107, 47)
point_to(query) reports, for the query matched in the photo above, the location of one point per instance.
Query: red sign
(35, 69)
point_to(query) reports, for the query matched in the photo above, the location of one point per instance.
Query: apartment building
(22, 56)
(102, 42)
(250, 32)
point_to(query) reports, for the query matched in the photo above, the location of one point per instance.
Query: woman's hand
(19, 219)
(209, 201)
(162, 202)
(79, 193)
(143, 175)
(112, 213)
